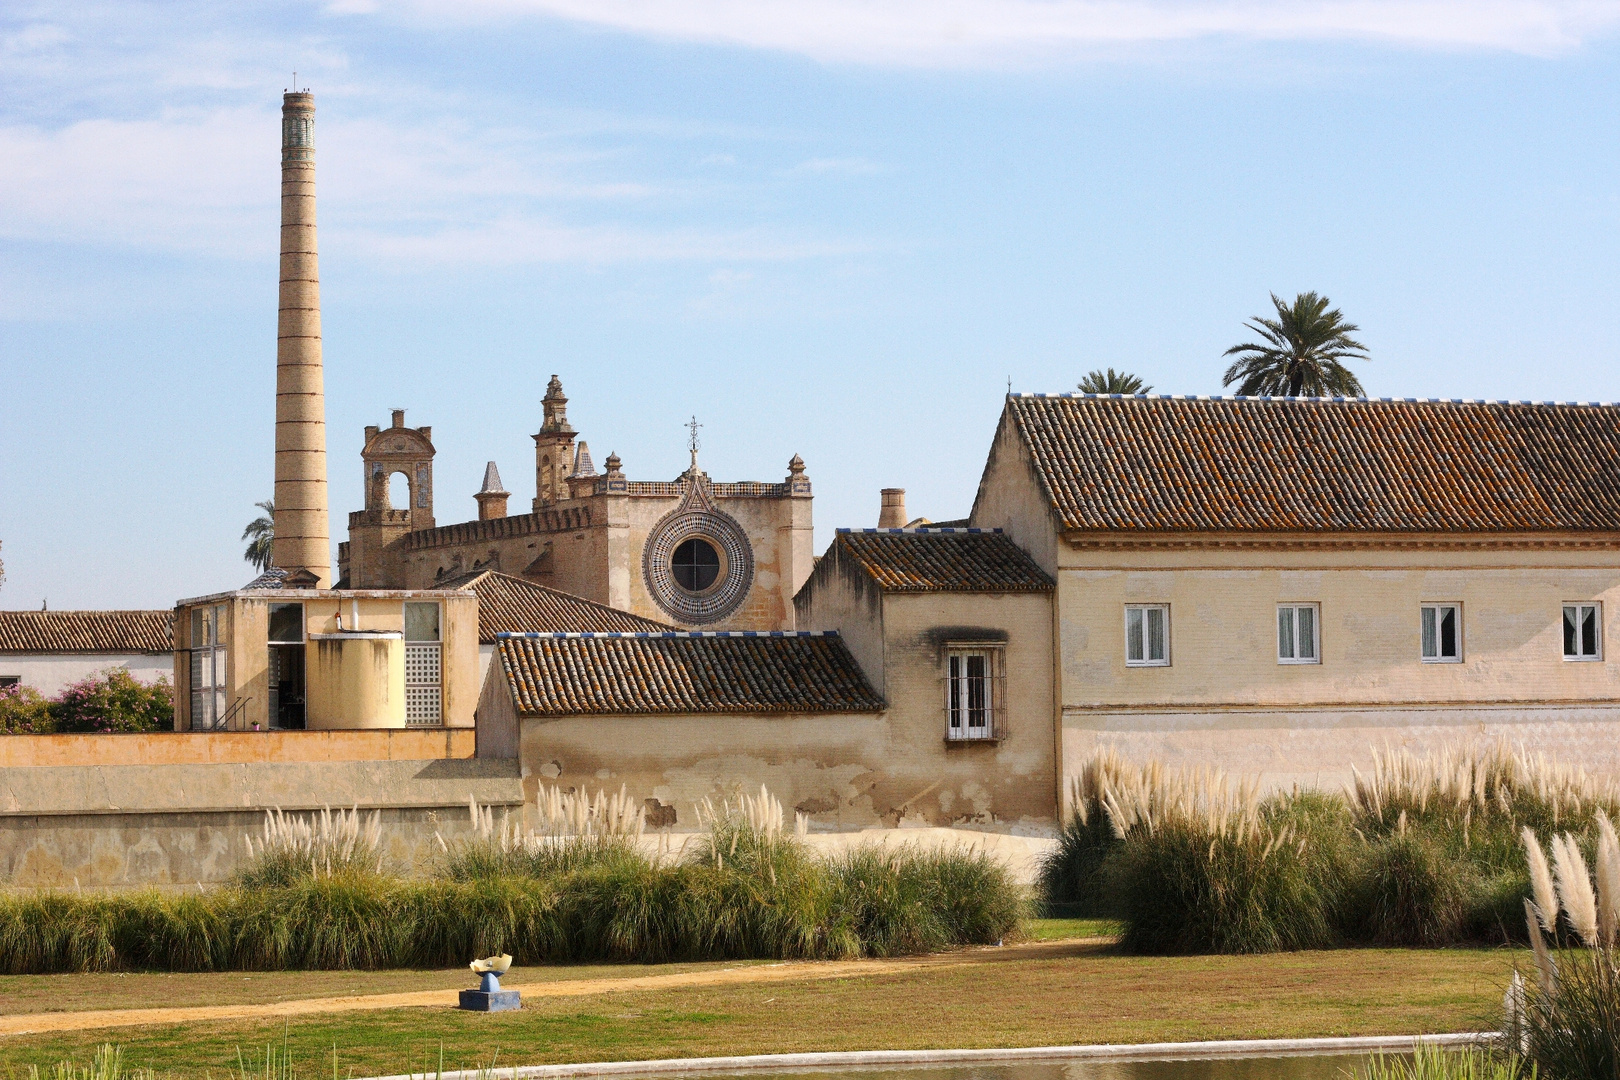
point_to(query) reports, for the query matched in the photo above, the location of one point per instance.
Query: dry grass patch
(1080, 993)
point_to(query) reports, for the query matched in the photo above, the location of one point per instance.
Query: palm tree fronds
(1112, 382)
(260, 532)
(1302, 352)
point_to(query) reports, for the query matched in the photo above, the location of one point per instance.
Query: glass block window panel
(423, 696)
(1147, 635)
(1297, 634)
(1442, 633)
(1583, 635)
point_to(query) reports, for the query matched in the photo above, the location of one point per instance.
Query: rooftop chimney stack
(893, 514)
(302, 541)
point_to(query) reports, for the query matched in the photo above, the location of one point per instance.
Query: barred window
(972, 692)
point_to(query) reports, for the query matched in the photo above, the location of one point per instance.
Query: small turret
(492, 497)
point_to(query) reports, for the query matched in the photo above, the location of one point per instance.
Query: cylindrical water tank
(356, 679)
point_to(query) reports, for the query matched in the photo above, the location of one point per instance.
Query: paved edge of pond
(1226, 1048)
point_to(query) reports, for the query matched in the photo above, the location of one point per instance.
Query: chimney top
(399, 418)
(893, 513)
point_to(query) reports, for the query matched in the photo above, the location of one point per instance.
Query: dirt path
(36, 1023)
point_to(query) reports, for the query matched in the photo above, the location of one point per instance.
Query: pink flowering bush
(24, 711)
(109, 702)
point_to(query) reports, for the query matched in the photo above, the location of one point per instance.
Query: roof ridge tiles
(1319, 400)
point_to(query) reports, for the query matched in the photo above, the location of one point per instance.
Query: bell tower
(376, 555)
(553, 448)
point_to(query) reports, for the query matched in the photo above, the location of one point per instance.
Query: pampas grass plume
(1545, 905)
(1575, 888)
(1608, 880)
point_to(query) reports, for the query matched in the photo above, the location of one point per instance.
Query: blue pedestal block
(490, 1000)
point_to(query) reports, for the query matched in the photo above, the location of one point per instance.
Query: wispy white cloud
(199, 183)
(946, 33)
(827, 166)
(207, 183)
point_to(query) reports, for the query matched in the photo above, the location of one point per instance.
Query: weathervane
(692, 443)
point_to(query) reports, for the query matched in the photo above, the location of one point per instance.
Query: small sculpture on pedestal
(489, 997)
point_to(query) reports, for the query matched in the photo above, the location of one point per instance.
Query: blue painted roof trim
(922, 530)
(632, 634)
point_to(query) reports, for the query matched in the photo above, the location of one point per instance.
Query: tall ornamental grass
(314, 896)
(1421, 850)
(1566, 1018)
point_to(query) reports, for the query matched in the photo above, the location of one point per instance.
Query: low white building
(50, 650)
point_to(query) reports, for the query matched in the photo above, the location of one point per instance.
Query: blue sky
(832, 229)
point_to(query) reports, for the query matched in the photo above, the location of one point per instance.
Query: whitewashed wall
(50, 673)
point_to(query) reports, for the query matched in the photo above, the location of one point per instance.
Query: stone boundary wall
(124, 826)
(233, 747)
(1316, 748)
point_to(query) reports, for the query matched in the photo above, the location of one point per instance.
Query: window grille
(974, 693)
(422, 685)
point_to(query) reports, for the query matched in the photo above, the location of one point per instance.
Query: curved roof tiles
(1315, 464)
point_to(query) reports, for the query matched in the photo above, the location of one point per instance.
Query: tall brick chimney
(303, 539)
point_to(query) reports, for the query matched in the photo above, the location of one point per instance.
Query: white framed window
(424, 695)
(1442, 633)
(1299, 634)
(1583, 631)
(972, 693)
(1147, 635)
(208, 667)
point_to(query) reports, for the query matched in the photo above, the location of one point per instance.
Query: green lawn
(1080, 993)
(1064, 929)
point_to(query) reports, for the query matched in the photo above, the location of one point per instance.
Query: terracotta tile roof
(507, 604)
(86, 631)
(1241, 464)
(941, 560)
(679, 672)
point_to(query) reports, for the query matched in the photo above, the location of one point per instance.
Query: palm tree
(1112, 382)
(259, 533)
(1304, 354)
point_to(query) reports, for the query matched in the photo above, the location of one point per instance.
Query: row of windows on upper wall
(1299, 633)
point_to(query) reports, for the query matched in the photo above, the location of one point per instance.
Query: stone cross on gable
(692, 443)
